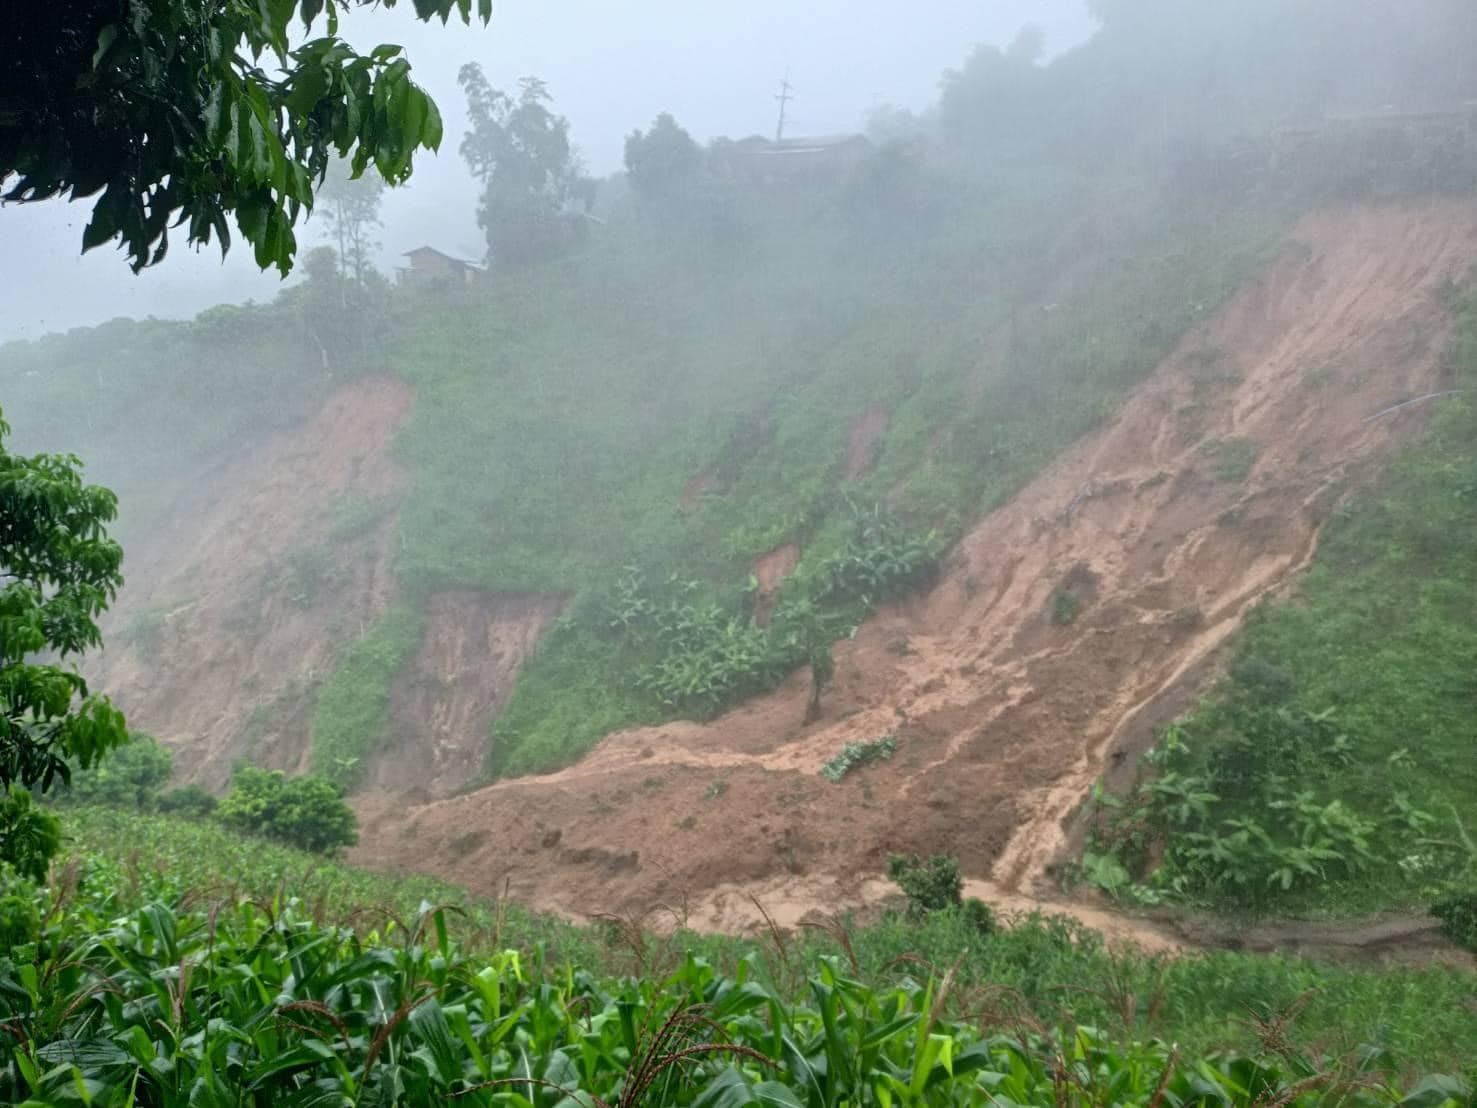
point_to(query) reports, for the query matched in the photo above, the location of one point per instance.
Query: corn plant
(253, 1004)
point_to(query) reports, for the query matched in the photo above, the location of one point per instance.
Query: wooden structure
(431, 265)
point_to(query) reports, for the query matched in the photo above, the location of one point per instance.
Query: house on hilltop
(431, 265)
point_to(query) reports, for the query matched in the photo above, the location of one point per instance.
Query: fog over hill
(611, 70)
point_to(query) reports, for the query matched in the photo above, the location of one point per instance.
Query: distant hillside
(666, 466)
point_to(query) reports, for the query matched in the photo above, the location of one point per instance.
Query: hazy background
(716, 66)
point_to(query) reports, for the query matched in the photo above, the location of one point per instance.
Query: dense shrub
(29, 835)
(130, 777)
(1458, 915)
(930, 885)
(20, 921)
(306, 812)
(190, 801)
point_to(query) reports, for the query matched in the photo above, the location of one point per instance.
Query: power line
(786, 94)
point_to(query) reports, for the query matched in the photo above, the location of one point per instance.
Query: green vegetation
(294, 1012)
(306, 812)
(858, 754)
(931, 885)
(29, 834)
(1064, 607)
(60, 571)
(131, 777)
(351, 720)
(1233, 459)
(1331, 770)
(1035, 972)
(1458, 916)
(598, 488)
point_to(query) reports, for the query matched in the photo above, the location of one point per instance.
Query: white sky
(611, 68)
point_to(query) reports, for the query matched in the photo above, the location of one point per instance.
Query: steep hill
(1018, 418)
(1205, 494)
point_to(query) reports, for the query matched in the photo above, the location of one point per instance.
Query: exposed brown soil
(1204, 494)
(443, 703)
(219, 639)
(770, 571)
(861, 442)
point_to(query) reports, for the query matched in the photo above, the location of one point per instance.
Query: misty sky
(716, 65)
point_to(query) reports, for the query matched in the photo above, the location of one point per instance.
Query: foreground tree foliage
(29, 835)
(178, 112)
(60, 572)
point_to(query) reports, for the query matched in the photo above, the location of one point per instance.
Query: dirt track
(1205, 493)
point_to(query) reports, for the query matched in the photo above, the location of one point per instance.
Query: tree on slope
(531, 176)
(175, 112)
(351, 207)
(663, 162)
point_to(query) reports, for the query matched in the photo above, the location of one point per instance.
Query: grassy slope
(1061, 974)
(561, 412)
(1360, 688)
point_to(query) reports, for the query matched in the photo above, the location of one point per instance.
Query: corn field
(255, 1004)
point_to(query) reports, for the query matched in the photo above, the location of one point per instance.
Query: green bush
(1458, 915)
(307, 812)
(30, 836)
(930, 885)
(189, 801)
(130, 777)
(20, 920)
(1064, 607)
(855, 755)
(979, 916)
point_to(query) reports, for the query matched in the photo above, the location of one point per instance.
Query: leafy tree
(351, 207)
(29, 835)
(531, 178)
(930, 884)
(662, 162)
(307, 812)
(58, 573)
(130, 778)
(165, 108)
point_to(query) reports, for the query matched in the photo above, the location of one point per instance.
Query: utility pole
(786, 94)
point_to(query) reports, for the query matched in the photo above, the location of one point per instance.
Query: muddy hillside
(1203, 495)
(1066, 625)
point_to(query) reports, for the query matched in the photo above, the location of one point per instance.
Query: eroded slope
(1067, 625)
